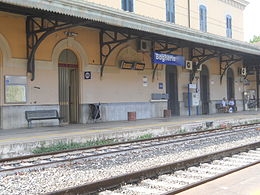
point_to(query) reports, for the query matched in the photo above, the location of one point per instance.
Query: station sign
(168, 59)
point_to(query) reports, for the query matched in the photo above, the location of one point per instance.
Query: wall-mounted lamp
(126, 65)
(132, 65)
(139, 66)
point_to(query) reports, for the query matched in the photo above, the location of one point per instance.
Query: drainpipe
(257, 87)
(189, 13)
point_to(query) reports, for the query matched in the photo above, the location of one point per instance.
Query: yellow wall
(110, 88)
(216, 14)
(88, 38)
(13, 28)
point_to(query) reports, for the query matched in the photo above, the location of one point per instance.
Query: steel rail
(159, 138)
(8, 167)
(116, 182)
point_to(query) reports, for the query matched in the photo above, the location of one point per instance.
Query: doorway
(230, 84)
(1, 65)
(172, 90)
(68, 86)
(204, 90)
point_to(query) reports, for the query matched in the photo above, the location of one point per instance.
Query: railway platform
(14, 142)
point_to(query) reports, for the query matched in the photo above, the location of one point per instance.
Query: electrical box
(194, 99)
(143, 45)
(188, 65)
(160, 96)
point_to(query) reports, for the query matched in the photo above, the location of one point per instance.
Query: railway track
(12, 165)
(173, 178)
(62, 177)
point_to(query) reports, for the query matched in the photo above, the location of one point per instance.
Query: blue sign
(168, 59)
(87, 75)
(160, 85)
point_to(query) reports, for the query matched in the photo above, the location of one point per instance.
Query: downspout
(189, 13)
(257, 87)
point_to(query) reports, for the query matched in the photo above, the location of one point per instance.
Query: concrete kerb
(121, 134)
(125, 134)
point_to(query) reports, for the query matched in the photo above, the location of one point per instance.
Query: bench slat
(41, 115)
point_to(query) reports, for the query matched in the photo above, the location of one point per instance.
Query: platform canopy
(118, 18)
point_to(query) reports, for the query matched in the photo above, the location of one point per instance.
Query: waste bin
(167, 113)
(131, 116)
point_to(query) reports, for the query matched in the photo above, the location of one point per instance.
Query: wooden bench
(41, 115)
(220, 108)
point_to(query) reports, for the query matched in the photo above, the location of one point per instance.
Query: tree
(255, 39)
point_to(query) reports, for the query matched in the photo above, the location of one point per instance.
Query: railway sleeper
(243, 158)
(257, 153)
(161, 185)
(236, 160)
(203, 170)
(131, 189)
(191, 174)
(109, 192)
(177, 181)
(214, 167)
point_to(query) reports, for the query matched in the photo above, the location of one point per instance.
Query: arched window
(127, 5)
(170, 11)
(203, 18)
(229, 26)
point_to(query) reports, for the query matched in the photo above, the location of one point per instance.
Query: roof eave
(124, 19)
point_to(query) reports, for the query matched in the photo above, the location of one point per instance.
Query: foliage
(145, 136)
(255, 39)
(61, 146)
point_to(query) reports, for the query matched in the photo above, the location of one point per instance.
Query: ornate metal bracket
(163, 46)
(155, 66)
(110, 40)
(201, 55)
(226, 61)
(37, 29)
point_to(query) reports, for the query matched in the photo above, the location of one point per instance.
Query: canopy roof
(119, 18)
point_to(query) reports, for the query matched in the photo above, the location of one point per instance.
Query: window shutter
(167, 11)
(130, 6)
(123, 4)
(170, 11)
(229, 26)
(203, 18)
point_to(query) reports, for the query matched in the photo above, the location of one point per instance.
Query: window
(127, 5)
(170, 11)
(203, 18)
(229, 26)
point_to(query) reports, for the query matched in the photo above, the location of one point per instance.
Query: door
(204, 90)
(1, 65)
(230, 84)
(172, 90)
(68, 86)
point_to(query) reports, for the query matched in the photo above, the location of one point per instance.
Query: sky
(251, 17)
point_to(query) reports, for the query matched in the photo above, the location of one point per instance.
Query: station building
(135, 59)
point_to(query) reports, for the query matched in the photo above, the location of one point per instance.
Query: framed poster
(15, 89)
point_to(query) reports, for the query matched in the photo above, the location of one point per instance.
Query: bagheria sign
(168, 59)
